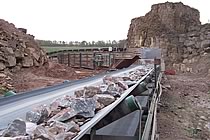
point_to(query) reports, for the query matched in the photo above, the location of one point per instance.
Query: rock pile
(176, 29)
(18, 49)
(62, 119)
(5, 82)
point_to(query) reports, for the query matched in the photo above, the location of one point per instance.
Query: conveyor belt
(127, 125)
(24, 95)
(18, 109)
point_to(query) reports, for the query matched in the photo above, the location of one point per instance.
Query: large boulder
(27, 62)
(11, 60)
(16, 128)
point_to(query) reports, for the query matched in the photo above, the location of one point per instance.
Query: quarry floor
(51, 74)
(184, 110)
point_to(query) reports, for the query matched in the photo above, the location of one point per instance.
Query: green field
(59, 48)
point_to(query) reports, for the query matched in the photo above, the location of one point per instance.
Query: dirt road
(185, 108)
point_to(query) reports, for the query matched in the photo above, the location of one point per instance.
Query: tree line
(101, 43)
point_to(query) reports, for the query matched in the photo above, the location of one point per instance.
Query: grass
(59, 48)
(54, 49)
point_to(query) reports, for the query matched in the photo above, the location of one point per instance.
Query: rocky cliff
(18, 49)
(176, 29)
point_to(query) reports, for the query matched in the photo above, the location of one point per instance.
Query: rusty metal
(96, 59)
(86, 60)
(112, 60)
(124, 63)
(80, 60)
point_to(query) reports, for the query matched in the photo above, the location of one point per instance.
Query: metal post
(94, 62)
(80, 60)
(92, 133)
(74, 58)
(155, 69)
(140, 117)
(109, 59)
(68, 59)
(113, 63)
(87, 56)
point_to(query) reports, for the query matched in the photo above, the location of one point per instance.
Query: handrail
(151, 119)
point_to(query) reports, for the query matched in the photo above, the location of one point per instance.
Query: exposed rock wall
(195, 50)
(176, 29)
(164, 18)
(18, 49)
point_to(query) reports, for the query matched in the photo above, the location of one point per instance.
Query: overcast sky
(83, 19)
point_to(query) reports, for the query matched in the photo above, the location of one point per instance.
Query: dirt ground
(51, 74)
(184, 111)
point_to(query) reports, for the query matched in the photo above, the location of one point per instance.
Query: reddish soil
(50, 74)
(185, 108)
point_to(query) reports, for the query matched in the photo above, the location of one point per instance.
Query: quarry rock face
(176, 29)
(164, 18)
(18, 48)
